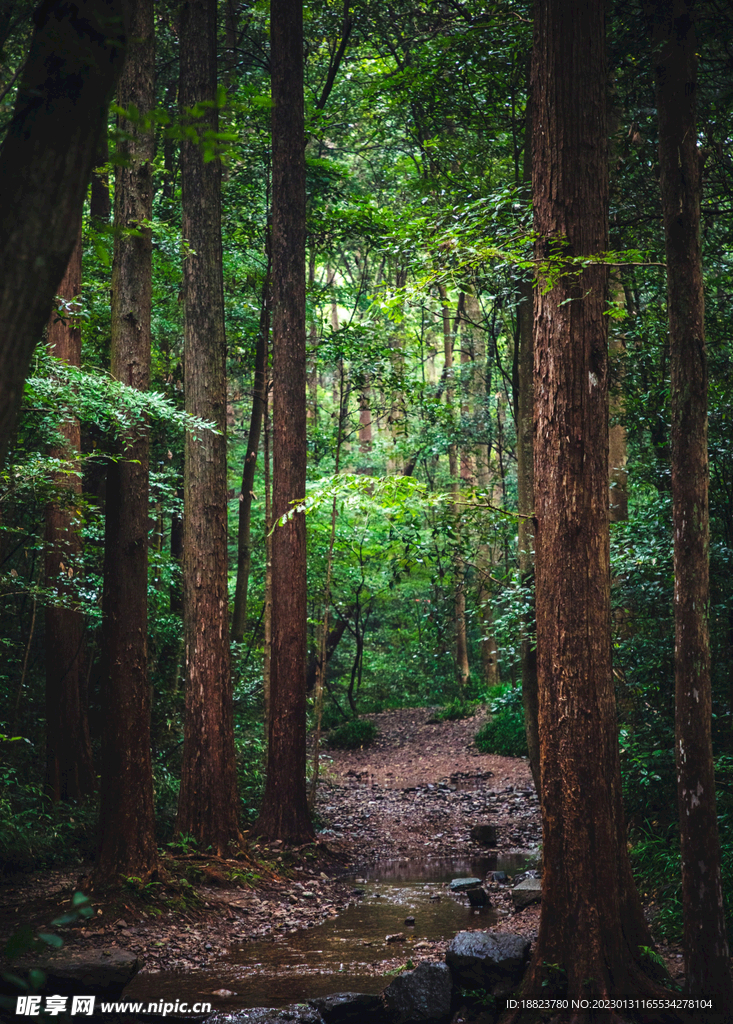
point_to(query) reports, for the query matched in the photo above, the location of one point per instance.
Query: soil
(416, 792)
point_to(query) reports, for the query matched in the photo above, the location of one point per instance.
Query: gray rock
(498, 876)
(420, 995)
(464, 884)
(349, 1008)
(90, 972)
(485, 834)
(477, 897)
(266, 1015)
(526, 892)
(483, 959)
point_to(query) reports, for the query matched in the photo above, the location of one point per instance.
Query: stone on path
(464, 884)
(90, 972)
(486, 959)
(266, 1015)
(349, 1008)
(526, 892)
(420, 995)
(485, 834)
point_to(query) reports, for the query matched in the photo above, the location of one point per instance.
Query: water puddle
(345, 953)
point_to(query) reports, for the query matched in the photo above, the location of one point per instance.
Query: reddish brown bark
(244, 535)
(592, 929)
(284, 813)
(207, 804)
(706, 947)
(463, 668)
(69, 768)
(45, 163)
(127, 825)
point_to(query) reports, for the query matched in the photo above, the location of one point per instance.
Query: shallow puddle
(345, 953)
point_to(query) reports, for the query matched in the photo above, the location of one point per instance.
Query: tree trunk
(524, 414)
(69, 769)
(244, 537)
(45, 163)
(706, 946)
(592, 928)
(284, 813)
(126, 822)
(463, 670)
(207, 802)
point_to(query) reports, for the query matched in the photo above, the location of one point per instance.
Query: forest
(358, 358)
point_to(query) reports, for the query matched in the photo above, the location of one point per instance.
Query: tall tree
(69, 768)
(45, 163)
(284, 813)
(207, 804)
(244, 534)
(707, 960)
(592, 928)
(127, 824)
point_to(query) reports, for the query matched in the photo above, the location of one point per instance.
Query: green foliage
(35, 834)
(351, 735)
(504, 733)
(456, 709)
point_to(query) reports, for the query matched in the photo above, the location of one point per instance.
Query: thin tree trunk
(207, 803)
(126, 821)
(284, 813)
(463, 669)
(69, 768)
(45, 163)
(592, 928)
(267, 657)
(244, 536)
(323, 638)
(706, 946)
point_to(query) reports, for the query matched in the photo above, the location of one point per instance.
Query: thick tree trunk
(244, 535)
(69, 769)
(592, 927)
(126, 822)
(706, 946)
(207, 803)
(45, 163)
(524, 413)
(284, 813)
(525, 526)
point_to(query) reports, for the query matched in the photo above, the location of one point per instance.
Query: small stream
(345, 953)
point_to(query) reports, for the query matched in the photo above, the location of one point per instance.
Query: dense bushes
(504, 732)
(351, 735)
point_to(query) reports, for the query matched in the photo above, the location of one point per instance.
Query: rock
(485, 834)
(410, 921)
(266, 1015)
(477, 897)
(88, 972)
(498, 876)
(483, 959)
(464, 884)
(397, 937)
(526, 892)
(420, 995)
(349, 1008)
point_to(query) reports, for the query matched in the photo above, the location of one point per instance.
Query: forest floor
(416, 792)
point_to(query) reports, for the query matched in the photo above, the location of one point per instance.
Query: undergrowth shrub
(358, 733)
(455, 710)
(504, 733)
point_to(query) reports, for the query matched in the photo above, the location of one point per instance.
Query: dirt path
(417, 791)
(421, 787)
